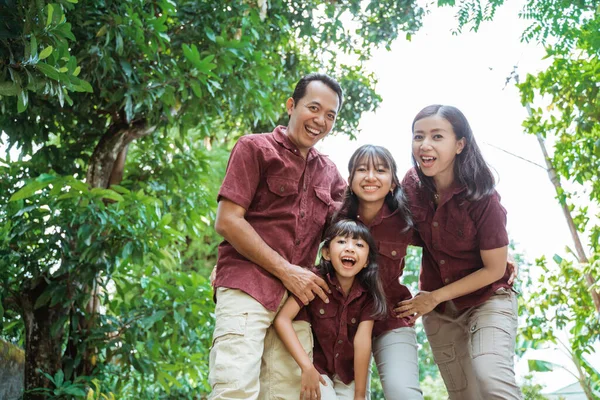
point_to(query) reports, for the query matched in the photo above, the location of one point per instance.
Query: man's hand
(310, 384)
(305, 284)
(513, 268)
(213, 276)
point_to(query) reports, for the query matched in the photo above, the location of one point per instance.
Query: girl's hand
(310, 384)
(419, 305)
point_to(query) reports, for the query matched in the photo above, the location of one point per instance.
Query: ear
(460, 145)
(325, 253)
(393, 187)
(289, 105)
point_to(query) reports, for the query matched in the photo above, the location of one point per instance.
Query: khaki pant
(395, 354)
(337, 390)
(474, 348)
(247, 359)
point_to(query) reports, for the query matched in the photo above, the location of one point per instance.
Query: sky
(469, 71)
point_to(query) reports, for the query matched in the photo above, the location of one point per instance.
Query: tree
(120, 114)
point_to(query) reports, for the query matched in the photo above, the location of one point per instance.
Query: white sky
(469, 71)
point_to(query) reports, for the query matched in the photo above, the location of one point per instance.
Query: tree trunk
(42, 348)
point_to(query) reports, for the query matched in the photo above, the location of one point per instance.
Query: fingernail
(326, 300)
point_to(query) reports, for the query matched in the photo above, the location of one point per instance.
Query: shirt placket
(436, 243)
(301, 225)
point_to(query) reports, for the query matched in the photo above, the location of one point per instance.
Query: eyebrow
(433, 130)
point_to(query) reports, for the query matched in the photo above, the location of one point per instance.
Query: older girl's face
(372, 181)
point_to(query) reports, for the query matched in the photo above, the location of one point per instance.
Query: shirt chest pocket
(324, 320)
(390, 260)
(279, 191)
(320, 205)
(461, 229)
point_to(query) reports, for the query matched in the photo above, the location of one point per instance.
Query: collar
(280, 136)
(355, 291)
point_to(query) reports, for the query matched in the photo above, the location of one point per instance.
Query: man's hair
(300, 90)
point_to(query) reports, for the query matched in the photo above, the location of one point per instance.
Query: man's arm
(362, 358)
(231, 224)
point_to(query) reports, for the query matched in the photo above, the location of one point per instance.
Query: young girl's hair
(396, 199)
(470, 169)
(369, 275)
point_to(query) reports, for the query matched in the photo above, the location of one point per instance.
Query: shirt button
(473, 328)
(297, 242)
(353, 320)
(336, 355)
(281, 189)
(301, 214)
(304, 188)
(321, 311)
(340, 341)
(442, 262)
(447, 280)
(435, 224)
(394, 253)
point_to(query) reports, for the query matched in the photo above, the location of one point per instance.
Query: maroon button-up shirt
(386, 228)
(334, 326)
(287, 200)
(453, 235)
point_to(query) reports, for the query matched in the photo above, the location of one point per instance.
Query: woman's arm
(283, 325)
(362, 358)
(494, 267)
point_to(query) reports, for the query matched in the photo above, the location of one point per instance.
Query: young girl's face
(435, 147)
(347, 255)
(372, 180)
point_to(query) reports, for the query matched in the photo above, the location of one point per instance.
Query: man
(273, 205)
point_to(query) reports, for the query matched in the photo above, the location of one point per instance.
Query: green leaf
(46, 52)
(22, 100)
(151, 320)
(33, 49)
(43, 299)
(9, 89)
(50, 13)
(28, 190)
(48, 70)
(540, 366)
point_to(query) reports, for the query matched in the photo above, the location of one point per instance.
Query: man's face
(312, 117)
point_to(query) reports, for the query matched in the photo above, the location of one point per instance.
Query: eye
(361, 169)
(360, 244)
(382, 170)
(313, 108)
(438, 136)
(331, 117)
(417, 136)
(341, 241)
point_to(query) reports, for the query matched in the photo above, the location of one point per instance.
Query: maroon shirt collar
(355, 291)
(383, 213)
(281, 137)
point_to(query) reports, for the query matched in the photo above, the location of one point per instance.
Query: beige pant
(336, 389)
(395, 354)
(247, 359)
(474, 348)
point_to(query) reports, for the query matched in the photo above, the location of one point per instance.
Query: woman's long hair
(369, 275)
(396, 200)
(470, 169)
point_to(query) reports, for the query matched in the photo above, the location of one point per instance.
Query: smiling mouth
(348, 262)
(370, 188)
(427, 161)
(312, 131)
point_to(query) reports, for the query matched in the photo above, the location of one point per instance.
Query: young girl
(342, 327)
(468, 306)
(375, 198)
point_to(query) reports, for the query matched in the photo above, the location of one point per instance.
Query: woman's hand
(310, 384)
(421, 304)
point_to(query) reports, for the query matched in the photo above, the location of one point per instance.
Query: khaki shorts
(247, 359)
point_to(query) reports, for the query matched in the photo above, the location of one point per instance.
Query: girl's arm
(362, 358)
(283, 325)
(494, 267)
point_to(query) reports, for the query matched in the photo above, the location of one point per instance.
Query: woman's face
(434, 146)
(372, 181)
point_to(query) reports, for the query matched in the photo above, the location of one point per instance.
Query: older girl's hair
(369, 275)
(396, 200)
(470, 169)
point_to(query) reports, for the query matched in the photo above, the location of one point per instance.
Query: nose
(350, 247)
(371, 173)
(426, 143)
(320, 119)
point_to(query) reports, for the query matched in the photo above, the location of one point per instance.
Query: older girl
(468, 306)
(375, 197)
